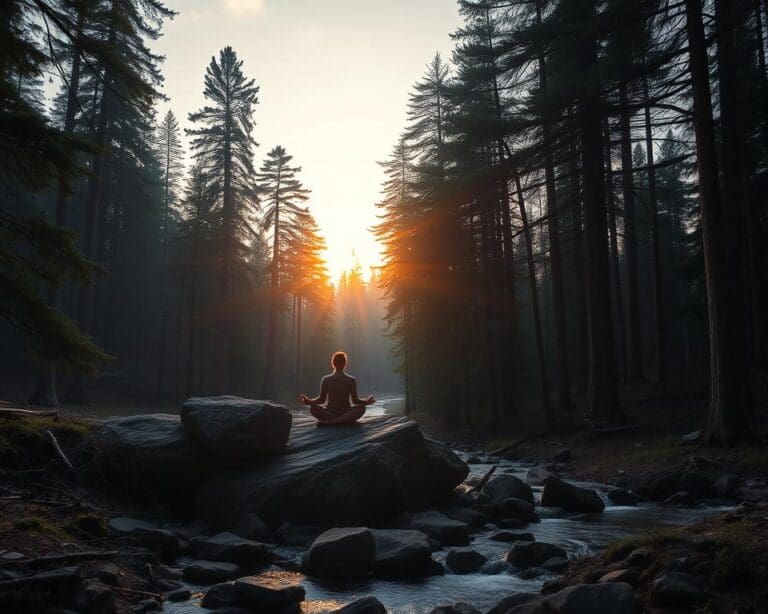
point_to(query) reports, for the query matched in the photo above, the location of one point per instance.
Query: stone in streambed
(517, 508)
(351, 475)
(464, 560)
(236, 429)
(260, 596)
(456, 608)
(208, 572)
(401, 553)
(571, 498)
(511, 536)
(533, 554)
(512, 602)
(473, 518)
(536, 476)
(364, 605)
(341, 553)
(231, 548)
(180, 594)
(438, 526)
(556, 564)
(252, 527)
(619, 496)
(219, 596)
(296, 535)
(504, 486)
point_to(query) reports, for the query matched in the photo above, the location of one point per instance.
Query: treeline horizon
(577, 204)
(120, 263)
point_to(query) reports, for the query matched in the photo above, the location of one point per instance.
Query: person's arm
(357, 400)
(320, 399)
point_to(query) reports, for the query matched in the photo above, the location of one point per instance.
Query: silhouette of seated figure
(338, 389)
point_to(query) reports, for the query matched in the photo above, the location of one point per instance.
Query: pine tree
(223, 146)
(283, 194)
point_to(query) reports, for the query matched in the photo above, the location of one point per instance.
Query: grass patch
(37, 524)
(739, 554)
(652, 539)
(754, 458)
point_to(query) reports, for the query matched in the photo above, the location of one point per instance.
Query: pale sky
(334, 76)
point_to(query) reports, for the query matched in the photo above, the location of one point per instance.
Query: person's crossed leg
(326, 416)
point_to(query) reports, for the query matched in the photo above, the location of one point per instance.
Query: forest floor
(54, 517)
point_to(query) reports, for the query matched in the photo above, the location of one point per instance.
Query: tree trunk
(44, 394)
(543, 384)
(268, 387)
(163, 273)
(298, 339)
(661, 362)
(729, 409)
(614, 267)
(604, 400)
(631, 284)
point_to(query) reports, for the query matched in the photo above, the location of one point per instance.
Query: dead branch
(91, 555)
(485, 478)
(59, 451)
(13, 413)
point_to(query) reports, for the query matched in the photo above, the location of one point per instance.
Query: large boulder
(232, 548)
(401, 553)
(517, 508)
(364, 605)
(505, 486)
(236, 429)
(558, 493)
(464, 560)
(150, 457)
(341, 553)
(536, 476)
(259, 595)
(678, 590)
(342, 476)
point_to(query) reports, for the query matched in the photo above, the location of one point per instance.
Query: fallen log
(59, 451)
(13, 413)
(66, 575)
(91, 555)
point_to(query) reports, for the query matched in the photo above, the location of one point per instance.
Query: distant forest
(134, 266)
(579, 203)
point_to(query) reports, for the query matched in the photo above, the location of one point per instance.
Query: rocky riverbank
(358, 519)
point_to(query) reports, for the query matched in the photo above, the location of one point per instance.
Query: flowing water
(579, 534)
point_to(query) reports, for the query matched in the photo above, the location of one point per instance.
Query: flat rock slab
(338, 476)
(236, 429)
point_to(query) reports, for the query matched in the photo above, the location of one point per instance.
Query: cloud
(243, 7)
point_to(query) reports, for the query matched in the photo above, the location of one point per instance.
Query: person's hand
(370, 401)
(304, 399)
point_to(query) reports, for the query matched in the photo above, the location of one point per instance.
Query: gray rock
(341, 553)
(504, 486)
(610, 598)
(252, 527)
(180, 594)
(364, 605)
(511, 536)
(456, 608)
(556, 564)
(237, 429)
(209, 572)
(219, 596)
(344, 476)
(401, 553)
(562, 456)
(95, 597)
(259, 596)
(233, 549)
(691, 437)
(126, 526)
(150, 457)
(473, 460)
(162, 541)
(511, 523)
(533, 554)
(438, 526)
(678, 590)
(571, 498)
(619, 496)
(536, 476)
(295, 535)
(464, 560)
(640, 558)
(148, 605)
(517, 508)
(468, 515)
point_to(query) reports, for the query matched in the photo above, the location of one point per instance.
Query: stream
(579, 535)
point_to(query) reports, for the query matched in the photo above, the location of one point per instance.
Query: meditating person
(338, 389)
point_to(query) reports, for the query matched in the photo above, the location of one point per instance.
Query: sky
(334, 77)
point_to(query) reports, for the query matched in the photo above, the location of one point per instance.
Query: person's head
(339, 360)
